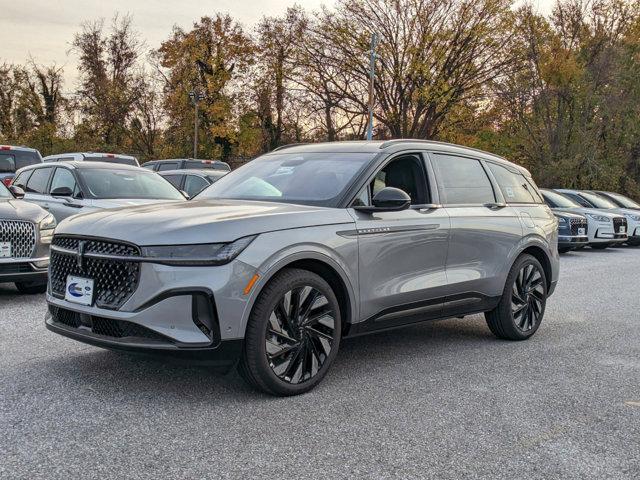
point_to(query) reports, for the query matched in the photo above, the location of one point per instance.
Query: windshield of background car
(111, 184)
(624, 201)
(4, 192)
(560, 201)
(598, 201)
(304, 178)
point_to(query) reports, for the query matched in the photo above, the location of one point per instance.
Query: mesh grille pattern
(106, 327)
(21, 235)
(577, 223)
(114, 280)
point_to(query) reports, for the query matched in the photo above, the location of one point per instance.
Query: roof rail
(283, 147)
(388, 143)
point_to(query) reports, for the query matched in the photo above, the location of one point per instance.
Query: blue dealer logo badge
(75, 290)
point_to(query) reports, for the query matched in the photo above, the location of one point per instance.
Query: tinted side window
(581, 200)
(194, 184)
(167, 166)
(514, 186)
(38, 181)
(462, 180)
(21, 180)
(174, 180)
(63, 178)
(405, 173)
(7, 163)
(24, 159)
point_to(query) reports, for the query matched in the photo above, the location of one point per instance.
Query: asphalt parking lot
(440, 400)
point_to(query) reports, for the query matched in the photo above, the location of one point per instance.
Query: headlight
(47, 225)
(561, 220)
(194, 255)
(599, 218)
(635, 218)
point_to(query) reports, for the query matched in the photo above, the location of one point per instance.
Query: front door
(402, 254)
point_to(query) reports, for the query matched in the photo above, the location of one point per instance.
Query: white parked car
(604, 228)
(603, 204)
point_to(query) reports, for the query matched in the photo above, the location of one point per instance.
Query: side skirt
(417, 312)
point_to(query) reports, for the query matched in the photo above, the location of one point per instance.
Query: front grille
(114, 280)
(577, 223)
(107, 327)
(618, 223)
(21, 235)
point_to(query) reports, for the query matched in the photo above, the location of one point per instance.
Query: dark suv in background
(14, 158)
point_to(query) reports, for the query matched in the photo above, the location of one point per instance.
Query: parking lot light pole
(196, 98)
(372, 76)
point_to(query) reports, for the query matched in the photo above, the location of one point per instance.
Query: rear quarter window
(514, 186)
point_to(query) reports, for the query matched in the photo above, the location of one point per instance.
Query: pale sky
(44, 29)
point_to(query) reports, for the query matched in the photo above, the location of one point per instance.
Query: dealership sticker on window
(5, 249)
(79, 290)
(509, 192)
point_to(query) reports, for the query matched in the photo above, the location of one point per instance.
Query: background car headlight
(47, 226)
(194, 255)
(599, 218)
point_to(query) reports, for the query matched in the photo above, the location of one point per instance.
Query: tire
(599, 246)
(519, 319)
(284, 353)
(31, 288)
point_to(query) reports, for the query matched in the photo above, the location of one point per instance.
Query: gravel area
(439, 400)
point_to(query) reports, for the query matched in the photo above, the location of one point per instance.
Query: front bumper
(23, 270)
(223, 355)
(572, 240)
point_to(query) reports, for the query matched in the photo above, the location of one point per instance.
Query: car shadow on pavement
(114, 374)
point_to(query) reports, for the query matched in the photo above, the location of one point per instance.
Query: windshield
(305, 178)
(110, 184)
(557, 200)
(598, 201)
(4, 192)
(624, 201)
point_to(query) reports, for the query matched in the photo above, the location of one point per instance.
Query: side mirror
(17, 191)
(389, 199)
(62, 192)
(186, 195)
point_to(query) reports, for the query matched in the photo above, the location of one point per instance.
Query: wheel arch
(541, 255)
(324, 266)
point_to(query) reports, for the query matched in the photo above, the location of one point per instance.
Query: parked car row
(592, 218)
(268, 267)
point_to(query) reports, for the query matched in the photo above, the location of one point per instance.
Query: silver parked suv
(275, 263)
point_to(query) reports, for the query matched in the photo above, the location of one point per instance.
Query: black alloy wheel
(528, 297)
(300, 334)
(292, 335)
(521, 308)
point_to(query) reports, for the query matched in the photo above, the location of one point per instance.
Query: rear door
(37, 187)
(402, 254)
(484, 232)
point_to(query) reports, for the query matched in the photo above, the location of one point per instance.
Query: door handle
(495, 206)
(429, 207)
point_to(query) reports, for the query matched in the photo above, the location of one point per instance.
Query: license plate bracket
(79, 290)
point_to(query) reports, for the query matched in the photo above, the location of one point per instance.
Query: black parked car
(186, 164)
(192, 182)
(572, 231)
(14, 158)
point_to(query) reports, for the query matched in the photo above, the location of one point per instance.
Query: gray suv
(278, 261)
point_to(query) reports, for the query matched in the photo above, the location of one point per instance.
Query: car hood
(566, 214)
(594, 211)
(125, 202)
(205, 221)
(20, 210)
